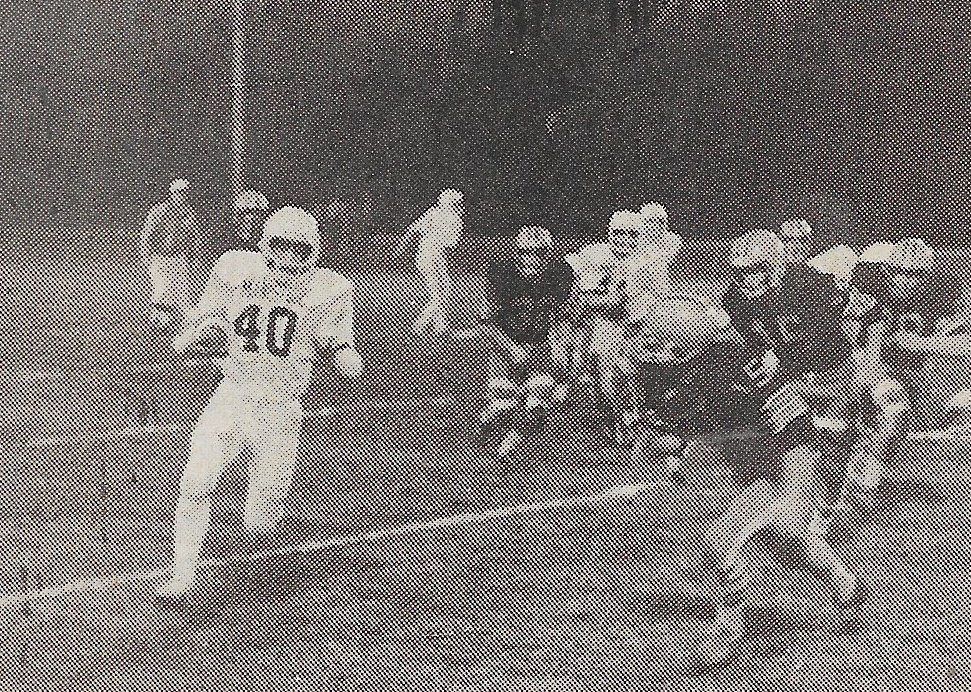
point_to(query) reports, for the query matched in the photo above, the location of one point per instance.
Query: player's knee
(262, 515)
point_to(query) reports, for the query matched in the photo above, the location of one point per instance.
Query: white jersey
(275, 331)
(439, 227)
(839, 262)
(645, 273)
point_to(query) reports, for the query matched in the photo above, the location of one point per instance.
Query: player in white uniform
(273, 313)
(434, 234)
(615, 279)
(166, 245)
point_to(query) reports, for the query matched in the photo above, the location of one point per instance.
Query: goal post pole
(237, 108)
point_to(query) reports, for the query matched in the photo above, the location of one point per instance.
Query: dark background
(732, 113)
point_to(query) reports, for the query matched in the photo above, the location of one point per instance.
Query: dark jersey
(522, 308)
(712, 394)
(800, 320)
(938, 295)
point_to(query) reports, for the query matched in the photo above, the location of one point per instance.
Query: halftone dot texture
(555, 113)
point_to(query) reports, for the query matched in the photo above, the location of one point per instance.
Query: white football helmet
(796, 235)
(655, 216)
(290, 242)
(757, 259)
(911, 256)
(251, 200)
(624, 232)
(450, 197)
(877, 253)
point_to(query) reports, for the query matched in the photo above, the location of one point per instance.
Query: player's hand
(349, 363)
(210, 341)
(762, 370)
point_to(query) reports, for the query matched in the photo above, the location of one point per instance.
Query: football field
(408, 561)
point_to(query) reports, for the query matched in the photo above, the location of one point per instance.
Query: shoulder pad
(326, 284)
(236, 266)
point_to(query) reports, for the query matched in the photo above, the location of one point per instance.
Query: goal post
(237, 108)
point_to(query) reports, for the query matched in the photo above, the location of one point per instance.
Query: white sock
(191, 526)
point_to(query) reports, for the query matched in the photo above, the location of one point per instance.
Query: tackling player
(616, 279)
(908, 308)
(165, 247)
(434, 234)
(524, 297)
(274, 314)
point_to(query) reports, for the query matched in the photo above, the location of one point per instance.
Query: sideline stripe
(616, 493)
(139, 431)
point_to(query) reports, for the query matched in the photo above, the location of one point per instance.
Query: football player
(168, 236)
(242, 232)
(790, 321)
(908, 308)
(524, 297)
(712, 385)
(273, 314)
(434, 234)
(796, 235)
(615, 279)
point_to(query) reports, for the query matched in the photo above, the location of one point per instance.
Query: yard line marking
(139, 431)
(615, 493)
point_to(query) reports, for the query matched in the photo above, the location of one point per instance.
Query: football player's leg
(729, 543)
(214, 444)
(799, 493)
(501, 398)
(425, 264)
(442, 292)
(879, 434)
(275, 444)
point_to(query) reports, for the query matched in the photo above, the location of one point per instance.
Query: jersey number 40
(280, 325)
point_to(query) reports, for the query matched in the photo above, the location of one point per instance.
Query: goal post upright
(237, 108)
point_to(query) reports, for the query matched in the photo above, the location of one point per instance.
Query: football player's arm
(206, 333)
(411, 235)
(335, 336)
(145, 239)
(489, 323)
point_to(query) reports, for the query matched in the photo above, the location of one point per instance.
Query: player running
(434, 234)
(168, 235)
(711, 385)
(274, 314)
(524, 297)
(791, 326)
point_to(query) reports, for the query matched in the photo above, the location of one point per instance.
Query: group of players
(815, 359)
